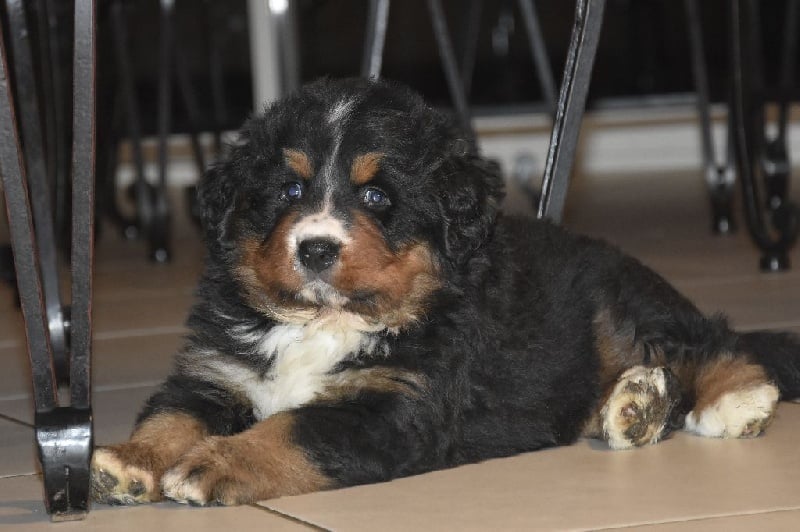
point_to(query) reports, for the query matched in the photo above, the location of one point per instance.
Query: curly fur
(447, 333)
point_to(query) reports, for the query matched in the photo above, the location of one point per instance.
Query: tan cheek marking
(403, 281)
(299, 162)
(267, 269)
(365, 167)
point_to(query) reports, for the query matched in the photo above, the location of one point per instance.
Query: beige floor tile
(21, 509)
(114, 412)
(766, 301)
(584, 486)
(114, 319)
(782, 521)
(142, 357)
(17, 452)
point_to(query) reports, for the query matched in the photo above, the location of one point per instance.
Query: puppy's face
(339, 198)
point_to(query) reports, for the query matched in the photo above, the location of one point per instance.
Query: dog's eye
(377, 198)
(293, 191)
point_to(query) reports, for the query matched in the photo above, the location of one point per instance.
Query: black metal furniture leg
(450, 67)
(143, 196)
(570, 108)
(377, 21)
(158, 234)
(777, 234)
(720, 177)
(83, 174)
(36, 171)
(63, 434)
(189, 99)
(775, 159)
(469, 43)
(539, 52)
(215, 47)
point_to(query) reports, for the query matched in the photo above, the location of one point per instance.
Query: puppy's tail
(779, 353)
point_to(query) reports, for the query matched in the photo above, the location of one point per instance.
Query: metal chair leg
(144, 208)
(377, 21)
(450, 67)
(468, 46)
(720, 176)
(775, 160)
(570, 108)
(539, 52)
(774, 236)
(63, 434)
(158, 233)
(36, 171)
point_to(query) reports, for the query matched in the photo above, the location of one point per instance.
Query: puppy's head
(349, 195)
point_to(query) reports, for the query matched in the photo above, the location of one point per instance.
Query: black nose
(318, 254)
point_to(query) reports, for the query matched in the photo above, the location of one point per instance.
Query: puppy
(367, 313)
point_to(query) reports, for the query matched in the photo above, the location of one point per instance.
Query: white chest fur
(303, 356)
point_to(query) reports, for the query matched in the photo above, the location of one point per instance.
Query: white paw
(738, 414)
(637, 410)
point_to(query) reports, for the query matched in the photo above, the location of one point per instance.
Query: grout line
(147, 331)
(288, 517)
(701, 519)
(768, 326)
(99, 388)
(19, 475)
(117, 334)
(16, 421)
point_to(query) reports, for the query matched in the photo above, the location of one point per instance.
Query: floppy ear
(216, 197)
(469, 198)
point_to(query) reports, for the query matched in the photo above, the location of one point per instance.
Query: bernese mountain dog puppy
(367, 313)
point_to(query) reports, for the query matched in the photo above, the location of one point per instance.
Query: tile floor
(685, 483)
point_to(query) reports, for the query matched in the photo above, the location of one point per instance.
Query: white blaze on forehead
(321, 224)
(337, 119)
(340, 111)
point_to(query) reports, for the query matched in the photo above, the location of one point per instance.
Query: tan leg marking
(129, 473)
(735, 399)
(259, 463)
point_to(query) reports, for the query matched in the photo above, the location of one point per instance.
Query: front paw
(214, 472)
(119, 476)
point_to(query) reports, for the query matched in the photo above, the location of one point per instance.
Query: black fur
(506, 346)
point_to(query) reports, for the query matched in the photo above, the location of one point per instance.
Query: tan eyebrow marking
(299, 162)
(365, 166)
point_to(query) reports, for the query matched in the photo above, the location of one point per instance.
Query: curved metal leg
(720, 176)
(377, 21)
(63, 434)
(469, 42)
(775, 159)
(36, 170)
(448, 58)
(570, 108)
(158, 231)
(144, 208)
(539, 52)
(774, 236)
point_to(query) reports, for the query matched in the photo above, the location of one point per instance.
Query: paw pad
(638, 409)
(114, 482)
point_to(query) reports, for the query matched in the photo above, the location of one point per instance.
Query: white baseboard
(618, 142)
